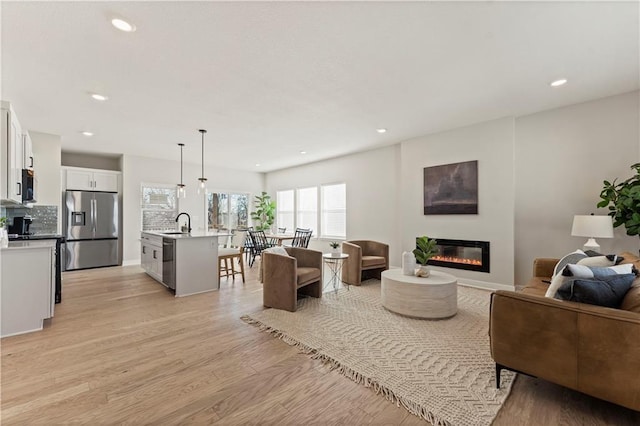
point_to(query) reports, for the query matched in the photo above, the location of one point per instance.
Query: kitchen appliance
(20, 225)
(28, 186)
(169, 263)
(91, 229)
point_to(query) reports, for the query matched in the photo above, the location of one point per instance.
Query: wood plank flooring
(122, 350)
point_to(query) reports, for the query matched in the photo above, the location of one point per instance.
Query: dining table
(279, 238)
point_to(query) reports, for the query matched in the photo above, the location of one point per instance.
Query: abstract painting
(451, 188)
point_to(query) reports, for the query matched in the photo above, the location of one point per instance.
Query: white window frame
(321, 211)
(293, 212)
(142, 205)
(228, 194)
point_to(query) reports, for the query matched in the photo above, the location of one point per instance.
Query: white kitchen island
(27, 285)
(184, 262)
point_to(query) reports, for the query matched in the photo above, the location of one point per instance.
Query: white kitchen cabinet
(11, 158)
(91, 180)
(27, 154)
(151, 255)
(27, 298)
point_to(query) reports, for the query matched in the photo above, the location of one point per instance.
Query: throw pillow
(569, 258)
(608, 291)
(608, 260)
(557, 281)
(582, 271)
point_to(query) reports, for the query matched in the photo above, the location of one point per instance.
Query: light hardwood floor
(122, 349)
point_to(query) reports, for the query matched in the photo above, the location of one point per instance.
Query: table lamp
(593, 227)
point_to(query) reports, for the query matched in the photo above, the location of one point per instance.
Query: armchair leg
(498, 370)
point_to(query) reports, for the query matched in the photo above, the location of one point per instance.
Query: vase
(335, 252)
(423, 271)
(408, 263)
(4, 237)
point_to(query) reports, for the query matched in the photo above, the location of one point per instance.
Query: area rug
(439, 370)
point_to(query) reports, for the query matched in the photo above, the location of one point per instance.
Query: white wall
(46, 164)
(372, 195)
(490, 143)
(138, 170)
(91, 161)
(562, 157)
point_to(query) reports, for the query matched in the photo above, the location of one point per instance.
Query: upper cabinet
(27, 148)
(12, 157)
(91, 180)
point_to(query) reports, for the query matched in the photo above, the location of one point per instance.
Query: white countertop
(30, 244)
(193, 234)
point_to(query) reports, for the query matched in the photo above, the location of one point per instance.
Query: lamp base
(591, 244)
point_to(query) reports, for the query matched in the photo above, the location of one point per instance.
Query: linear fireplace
(462, 254)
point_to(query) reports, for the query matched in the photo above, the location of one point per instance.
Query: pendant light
(182, 192)
(203, 180)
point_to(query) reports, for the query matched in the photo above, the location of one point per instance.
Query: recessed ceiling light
(123, 25)
(257, 164)
(381, 130)
(559, 82)
(99, 97)
(87, 133)
(303, 152)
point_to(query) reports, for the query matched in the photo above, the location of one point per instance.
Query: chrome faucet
(188, 219)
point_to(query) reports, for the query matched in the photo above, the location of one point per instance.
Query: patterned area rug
(439, 370)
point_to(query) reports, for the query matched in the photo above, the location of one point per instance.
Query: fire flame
(452, 259)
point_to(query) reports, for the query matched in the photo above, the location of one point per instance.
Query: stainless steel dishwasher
(169, 262)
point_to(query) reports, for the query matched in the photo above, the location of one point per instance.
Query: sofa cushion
(306, 275)
(536, 287)
(607, 291)
(582, 271)
(631, 301)
(369, 261)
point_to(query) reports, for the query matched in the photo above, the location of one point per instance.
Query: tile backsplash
(45, 218)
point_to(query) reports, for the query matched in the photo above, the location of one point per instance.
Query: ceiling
(271, 79)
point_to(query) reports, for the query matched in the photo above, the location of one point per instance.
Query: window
(227, 211)
(284, 210)
(334, 211)
(307, 209)
(159, 207)
(299, 209)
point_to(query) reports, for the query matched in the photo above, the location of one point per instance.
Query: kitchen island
(186, 263)
(27, 289)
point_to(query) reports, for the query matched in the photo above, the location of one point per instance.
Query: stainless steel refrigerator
(91, 229)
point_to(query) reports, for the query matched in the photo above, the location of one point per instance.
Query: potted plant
(623, 200)
(264, 211)
(4, 236)
(425, 250)
(335, 247)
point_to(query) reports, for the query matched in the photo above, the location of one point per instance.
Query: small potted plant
(425, 250)
(4, 236)
(335, 248)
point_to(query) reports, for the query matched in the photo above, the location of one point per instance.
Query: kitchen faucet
(188, 219)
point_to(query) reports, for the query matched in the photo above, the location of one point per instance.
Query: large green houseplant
(623, 200)
(264, 212)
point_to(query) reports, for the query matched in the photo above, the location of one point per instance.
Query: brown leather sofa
(591, 349)
(367, 259)
(285, 277)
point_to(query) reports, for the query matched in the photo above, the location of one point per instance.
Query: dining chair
(301, 238)
(259, 242)
(274, 241)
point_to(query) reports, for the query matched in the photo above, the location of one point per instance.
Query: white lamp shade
(592, 226)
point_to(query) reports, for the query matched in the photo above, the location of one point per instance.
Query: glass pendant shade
(181, 187)
(202, 188)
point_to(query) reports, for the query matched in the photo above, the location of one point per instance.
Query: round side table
(335, 261)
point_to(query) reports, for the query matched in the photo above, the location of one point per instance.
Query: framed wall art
(451, 188)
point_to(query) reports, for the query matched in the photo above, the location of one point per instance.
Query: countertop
(31, 244)
(185, 236)
(16, 237)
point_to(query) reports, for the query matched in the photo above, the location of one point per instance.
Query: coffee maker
(21, 225)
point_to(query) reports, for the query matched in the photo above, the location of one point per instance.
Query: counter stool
(227, 257)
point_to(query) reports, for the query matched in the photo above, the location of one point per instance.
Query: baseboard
(131, 262)
(485, 285)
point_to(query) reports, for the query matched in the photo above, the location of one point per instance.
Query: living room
(543, 153)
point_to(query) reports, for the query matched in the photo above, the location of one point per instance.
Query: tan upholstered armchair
(367, 259)
(286, 276)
